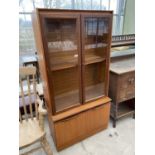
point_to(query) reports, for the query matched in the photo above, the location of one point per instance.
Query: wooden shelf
(71, 99)
(67, 100)
(124, 110)
(89, 59)
(96, 46)
(82, 108)
(94, 91)
(63, 66)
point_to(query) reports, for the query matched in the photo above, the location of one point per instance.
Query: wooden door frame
(54, 15)
(96, 14)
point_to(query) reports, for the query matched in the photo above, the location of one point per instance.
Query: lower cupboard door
(98, 118)
(80, 126)
(69, 130)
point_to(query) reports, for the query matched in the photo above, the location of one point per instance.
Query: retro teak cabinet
(74, 49)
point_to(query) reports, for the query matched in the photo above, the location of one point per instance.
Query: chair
(31, 120)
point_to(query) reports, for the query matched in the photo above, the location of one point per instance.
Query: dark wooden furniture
(123, 40)
(122, 86)
(73, 49)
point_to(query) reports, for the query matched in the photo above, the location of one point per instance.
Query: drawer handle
(131, 80)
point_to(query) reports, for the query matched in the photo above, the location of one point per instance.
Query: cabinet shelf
(96, 46)
(124, 110)
(93, 59)
(91, 94)
(70, 99)
(69, 63)
(67, 100)
(63, 66)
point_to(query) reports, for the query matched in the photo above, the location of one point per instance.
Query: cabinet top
(123, 65)
(41, 10)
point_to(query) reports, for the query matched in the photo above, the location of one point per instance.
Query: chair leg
(46, 146)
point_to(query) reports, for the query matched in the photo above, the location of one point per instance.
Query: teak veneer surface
(82, 125)
(79, 109)
(74, 65)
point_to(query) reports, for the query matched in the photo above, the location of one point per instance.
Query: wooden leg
(46, 146)
(114, 123)
(115, 115)
(133, 116)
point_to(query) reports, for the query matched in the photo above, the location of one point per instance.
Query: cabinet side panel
(42, 61)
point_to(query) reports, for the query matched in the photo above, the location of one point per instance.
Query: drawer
(127, 80)
(82, 125)
(97, 118)
(69, 129)
(126, 87)
(126, 94)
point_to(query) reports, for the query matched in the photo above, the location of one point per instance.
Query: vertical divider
(78, 31)
(82, 57)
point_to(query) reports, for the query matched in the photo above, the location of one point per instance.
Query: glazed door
(95, 45)
(61, 41)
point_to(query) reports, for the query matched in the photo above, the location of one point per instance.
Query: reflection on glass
(96, 42)
(61, 37)
(94, 79)
(117, 24)
(96, 37)
(62, 43)
(66, 88)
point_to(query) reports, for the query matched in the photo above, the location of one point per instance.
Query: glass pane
(39, 3)
(117, 6)
(113, 5)
(61, 36)
(26, 37)
(26, 6)
(96, 44)
(100, 4)
(94, 80)
(105, 4)
(87, 5)
(96, 35)
(64, 4)
(117, 25)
